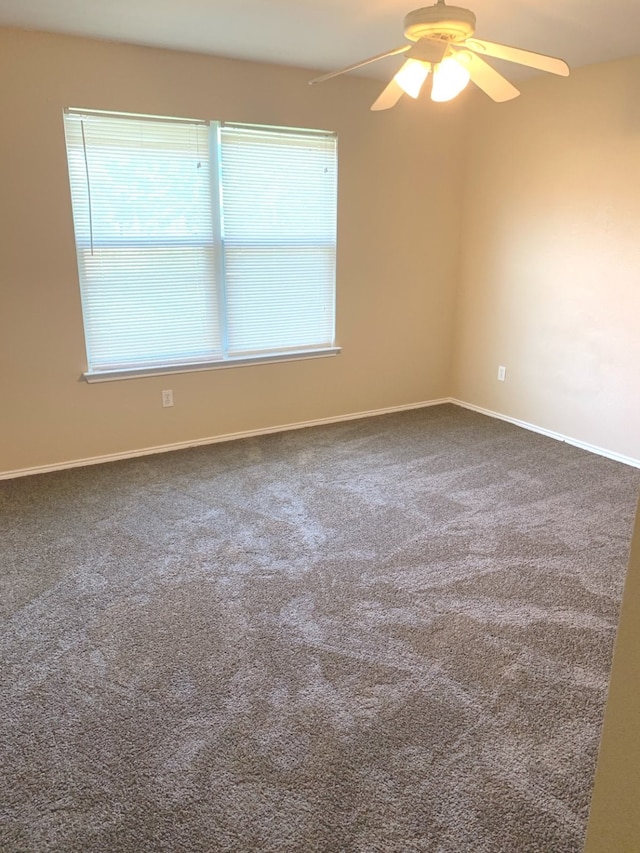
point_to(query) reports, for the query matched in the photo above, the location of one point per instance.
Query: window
(201, 243)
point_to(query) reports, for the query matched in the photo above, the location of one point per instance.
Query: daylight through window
(201, 243)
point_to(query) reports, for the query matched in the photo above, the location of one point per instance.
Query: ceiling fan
(441, 41)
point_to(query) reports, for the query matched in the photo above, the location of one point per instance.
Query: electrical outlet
(167, 399)
(502, 372)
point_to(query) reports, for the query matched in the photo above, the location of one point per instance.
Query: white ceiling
(328, 34)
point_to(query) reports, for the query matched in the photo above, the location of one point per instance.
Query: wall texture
(398, 232)
(550, 267)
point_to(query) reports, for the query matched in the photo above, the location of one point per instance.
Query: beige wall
(550, 272)
(398, 229)
(614, 823)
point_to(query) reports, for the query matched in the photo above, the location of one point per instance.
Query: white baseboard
(583, 445)
(216, 439)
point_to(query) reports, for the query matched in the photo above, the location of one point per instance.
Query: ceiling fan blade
(522, 57)
(331, 74)
(485, 77)
(389, 96)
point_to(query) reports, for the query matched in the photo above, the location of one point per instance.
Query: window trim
(195, 367)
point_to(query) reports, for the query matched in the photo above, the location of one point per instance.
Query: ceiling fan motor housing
(441, 22)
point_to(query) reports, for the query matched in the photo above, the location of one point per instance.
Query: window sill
(164, 370)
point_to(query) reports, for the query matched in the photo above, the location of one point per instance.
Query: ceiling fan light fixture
(412, 75)
(449, 79)
(442, 39)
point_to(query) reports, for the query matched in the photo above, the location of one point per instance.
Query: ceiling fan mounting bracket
(440, 22)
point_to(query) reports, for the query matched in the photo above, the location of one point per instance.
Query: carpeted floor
(383, 636)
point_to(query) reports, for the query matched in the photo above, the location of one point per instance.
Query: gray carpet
(385, 635)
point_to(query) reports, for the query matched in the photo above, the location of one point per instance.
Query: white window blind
(201, 243)
(279, 235)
